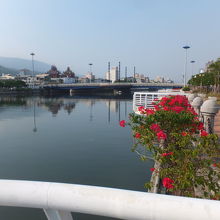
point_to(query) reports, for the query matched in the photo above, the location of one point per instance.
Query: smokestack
(134, 73)
(126, 70)
(109, 71)
(119, 70)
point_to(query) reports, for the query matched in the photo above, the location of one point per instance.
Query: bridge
(111, 86)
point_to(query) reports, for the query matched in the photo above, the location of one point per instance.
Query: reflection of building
(69, 107)
(113, 105)
(113, 75)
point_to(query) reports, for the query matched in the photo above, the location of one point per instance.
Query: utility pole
(32, 54)
(185, 47)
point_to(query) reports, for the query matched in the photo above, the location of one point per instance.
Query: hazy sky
(146, 33)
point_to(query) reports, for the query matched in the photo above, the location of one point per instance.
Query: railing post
(208, 111)
(191, 97)
(57, 214)
(196, 104)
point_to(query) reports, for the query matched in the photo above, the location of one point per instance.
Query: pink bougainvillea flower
(140, 108)
(155, 127)
(200, 126)
(166, 154)
(161, 135)
(165, 108)
(122, 123)
(152, 169)
(167, 183)
(137, 135)
(150, 111)
(204, 133)
(177, 109)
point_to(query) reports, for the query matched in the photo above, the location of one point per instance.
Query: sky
(147, 34)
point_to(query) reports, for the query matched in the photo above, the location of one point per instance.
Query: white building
(7, 76)
(90, 76)
(68, 80)
(159, 79)
(113, 75)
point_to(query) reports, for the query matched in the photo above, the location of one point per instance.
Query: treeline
(210, 78)
(12, 83)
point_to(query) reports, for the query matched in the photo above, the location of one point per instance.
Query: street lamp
(192, 62)
(32, 54)
(185, 47)
(90, 64)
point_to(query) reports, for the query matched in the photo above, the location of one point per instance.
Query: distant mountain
(18, 63)
(8, 70)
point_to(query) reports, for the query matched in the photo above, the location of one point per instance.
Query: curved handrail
(116, 203)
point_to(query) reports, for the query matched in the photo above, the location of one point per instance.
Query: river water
(70, 140)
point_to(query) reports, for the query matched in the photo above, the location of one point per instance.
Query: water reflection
(69, 139)
(67, 104)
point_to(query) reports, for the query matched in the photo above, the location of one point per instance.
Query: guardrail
(58, 201)
(145, 99)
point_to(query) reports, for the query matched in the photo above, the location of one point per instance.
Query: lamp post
(192, 62)
(185, 47)
(90, 64)
(32, 54)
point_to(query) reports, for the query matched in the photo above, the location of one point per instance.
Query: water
(70, 140)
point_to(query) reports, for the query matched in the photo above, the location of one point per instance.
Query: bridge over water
(111, 86)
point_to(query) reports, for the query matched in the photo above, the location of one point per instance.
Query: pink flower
(200, 126)
(167, 183)
(166, 154)
(165, 108)
(155, 127)
(152, 169)
(141, 109)
(161, 135)
(214, 165)
(122, 123)
(204, 133)
(150, 111)
(177, 109)
(184, 133)
(137, 135)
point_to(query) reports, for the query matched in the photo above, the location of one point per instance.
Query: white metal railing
(58, 201)
(145, 99)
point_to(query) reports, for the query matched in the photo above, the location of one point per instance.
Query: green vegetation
(210, 78)
(11, 83)
(186, 88)
(179, 143)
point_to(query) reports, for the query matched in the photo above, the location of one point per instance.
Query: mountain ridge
(14, 63)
